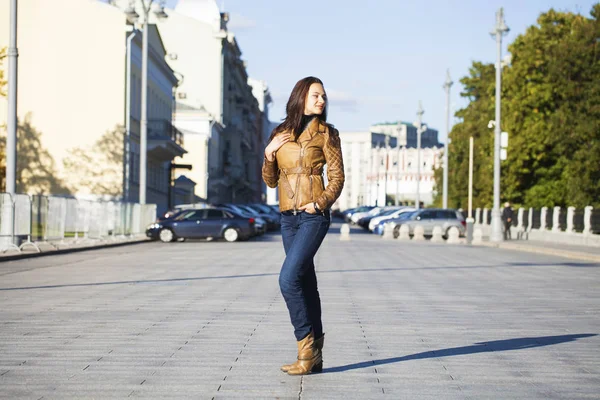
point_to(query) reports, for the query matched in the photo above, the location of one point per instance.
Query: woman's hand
(275, 144)
(309, 208)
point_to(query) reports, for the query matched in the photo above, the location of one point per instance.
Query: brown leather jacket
(298, 168)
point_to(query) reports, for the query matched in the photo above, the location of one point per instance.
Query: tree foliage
(551, 109)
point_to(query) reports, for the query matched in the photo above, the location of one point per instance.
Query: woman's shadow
(482, 347)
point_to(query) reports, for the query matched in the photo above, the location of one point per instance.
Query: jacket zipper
(300, 175)
(298, 179)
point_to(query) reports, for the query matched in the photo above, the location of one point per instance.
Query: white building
(72, 83)
(260, 90)
(215, 105)
(374, 165)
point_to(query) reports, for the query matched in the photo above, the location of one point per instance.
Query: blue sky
(377, 58)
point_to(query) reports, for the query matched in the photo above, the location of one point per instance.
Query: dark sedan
(211, 222)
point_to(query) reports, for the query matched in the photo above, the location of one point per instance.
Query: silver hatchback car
(431, 217)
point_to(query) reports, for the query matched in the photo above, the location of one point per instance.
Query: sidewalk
(68, 246)
(205, 320)
(584, 253)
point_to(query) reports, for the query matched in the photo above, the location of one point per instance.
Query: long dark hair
(294, 109)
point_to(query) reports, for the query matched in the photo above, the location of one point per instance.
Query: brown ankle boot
(317, 367)
(309, 357)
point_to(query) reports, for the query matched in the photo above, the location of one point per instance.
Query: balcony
(165, 142)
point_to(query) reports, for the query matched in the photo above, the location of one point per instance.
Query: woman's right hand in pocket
(275, 144)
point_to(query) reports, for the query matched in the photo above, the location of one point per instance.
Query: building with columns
(384, 161)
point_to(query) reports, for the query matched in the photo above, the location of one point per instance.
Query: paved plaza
(206, 320)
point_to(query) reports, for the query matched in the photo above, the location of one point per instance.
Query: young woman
(294, 160)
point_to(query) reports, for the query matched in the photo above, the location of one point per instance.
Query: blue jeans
(302, 236)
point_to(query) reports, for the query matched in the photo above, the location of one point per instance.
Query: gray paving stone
(206, 320)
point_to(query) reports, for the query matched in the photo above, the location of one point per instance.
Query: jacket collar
(315, 126)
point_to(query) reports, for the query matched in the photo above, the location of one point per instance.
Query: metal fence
(32, 220)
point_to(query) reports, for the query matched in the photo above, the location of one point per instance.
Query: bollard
(404, 233)
(470, 225)
(388, 230)
(345, 232)
(437, 235)
(418, 233)
(478, 235)
(453, 235)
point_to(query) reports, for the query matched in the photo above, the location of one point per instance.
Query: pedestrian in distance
(294, 159)
(507, 218)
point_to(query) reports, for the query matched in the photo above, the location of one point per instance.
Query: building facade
(215, 103)
(379, 163)
(261, 92)
(80, 88)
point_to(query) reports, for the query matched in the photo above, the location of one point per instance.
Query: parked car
(356, 216)
(204, 223)
(430, 217)
(258, 213)
(263, 209)
(364, 221)
(169, 215)
(349, 212)
(388, 215)
(260, 224)
(405, 216)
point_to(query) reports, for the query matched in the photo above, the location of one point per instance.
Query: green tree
(479, 90)
(553, 112)
(551, 109)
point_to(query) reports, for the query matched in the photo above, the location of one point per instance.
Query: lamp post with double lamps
(500, 29)
(133, 17)
(420, 129)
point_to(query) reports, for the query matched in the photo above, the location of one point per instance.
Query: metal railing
(35, 220)
(162, 128)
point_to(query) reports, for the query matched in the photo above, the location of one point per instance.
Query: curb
(542, 250)
(22, 256)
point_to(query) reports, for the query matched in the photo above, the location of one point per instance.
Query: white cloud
(342, 100)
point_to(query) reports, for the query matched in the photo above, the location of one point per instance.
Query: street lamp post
(500, 29)
(400, 142)
(387, 159)
(133, 16)
(447, 86)
(420, 129)
(11, 125)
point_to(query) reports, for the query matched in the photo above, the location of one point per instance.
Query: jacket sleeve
(270, 172)
(335, 170)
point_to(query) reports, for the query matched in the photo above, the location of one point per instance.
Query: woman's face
(315, 101)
